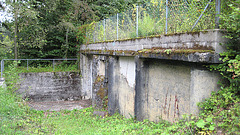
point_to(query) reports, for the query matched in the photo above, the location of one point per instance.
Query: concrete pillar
(86, 73)
(113, 82)
(140, 99)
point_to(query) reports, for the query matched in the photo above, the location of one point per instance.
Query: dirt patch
(60, 105)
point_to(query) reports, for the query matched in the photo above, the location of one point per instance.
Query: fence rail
(53, 61)
(155, 18)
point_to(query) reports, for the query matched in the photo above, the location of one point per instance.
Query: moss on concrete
(150, 51)
(152, 36)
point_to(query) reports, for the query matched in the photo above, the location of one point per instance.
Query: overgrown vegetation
(50, 28)
(149, 19)
(49, 68)
(220, 114)
(43, 66)
(223, 107)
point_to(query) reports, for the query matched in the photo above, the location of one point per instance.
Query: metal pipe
(53, 64)
(201, 14)
(86, 30)
(137, 21)
(218, 10)
(2, 63)
(166, 17)
(91, 78)
(104, 37)
(94, 40)
(117, 26)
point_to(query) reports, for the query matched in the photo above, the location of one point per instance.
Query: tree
(48, 28)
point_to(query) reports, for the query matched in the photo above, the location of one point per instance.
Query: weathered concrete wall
(151, 88)
(126, 89)
(169, 89)
(121, 86)
(166, 91)
(51, 86)
(203, 82)
(99, 91)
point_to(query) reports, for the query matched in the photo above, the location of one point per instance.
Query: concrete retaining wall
(51, 86)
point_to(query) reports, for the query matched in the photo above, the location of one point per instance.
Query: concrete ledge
(202, 56)
(209, 39)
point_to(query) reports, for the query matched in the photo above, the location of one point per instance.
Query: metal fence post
(27, 64)
(86, 35)
(104, 35)
(218, 10)
(2, 67)
(94, 39)
(117, 26)
(137, 21)
(166, 17)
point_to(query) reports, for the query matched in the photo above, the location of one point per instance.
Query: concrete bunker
(158, 77)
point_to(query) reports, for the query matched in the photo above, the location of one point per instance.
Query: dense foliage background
(51, 28)
(55, 29)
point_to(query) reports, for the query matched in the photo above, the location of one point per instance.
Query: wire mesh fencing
(32, 63)
(155, 18)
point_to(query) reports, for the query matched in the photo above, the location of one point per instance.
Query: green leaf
(201, 123)
(209, 119)
(211, 127)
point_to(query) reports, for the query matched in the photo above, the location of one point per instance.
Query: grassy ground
(17, 118)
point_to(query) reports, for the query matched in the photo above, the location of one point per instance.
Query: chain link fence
(30, 62)
(155, 18)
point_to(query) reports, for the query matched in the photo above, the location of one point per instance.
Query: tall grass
(43, 68)
(49, 68)
(11, 110)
